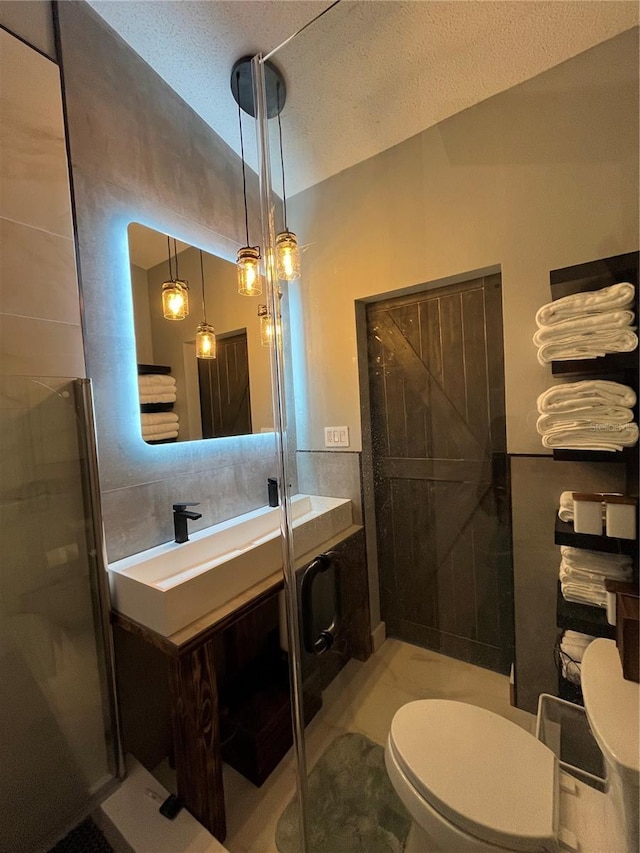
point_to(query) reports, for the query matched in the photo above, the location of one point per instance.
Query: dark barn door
(436, 377)
(224, 389)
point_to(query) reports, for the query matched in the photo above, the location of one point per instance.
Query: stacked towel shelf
(619, 367)
(157, 389)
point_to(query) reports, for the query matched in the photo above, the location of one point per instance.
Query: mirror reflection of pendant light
(287, 250)
(248, 262)
(205, 335)
(175, 293)
(266, 326)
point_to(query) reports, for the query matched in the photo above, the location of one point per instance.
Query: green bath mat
(352, 805)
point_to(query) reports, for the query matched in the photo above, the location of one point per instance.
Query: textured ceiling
(368, 74)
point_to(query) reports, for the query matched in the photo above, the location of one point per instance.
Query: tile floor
(363, 698)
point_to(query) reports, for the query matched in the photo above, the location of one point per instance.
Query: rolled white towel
(593, 436)
(613, 298)
(161, 436)
(584, 594)
(583, 418)
(579, 395)
(158, 398)
(565, 510)
(571, 670)
(588, 346)
(591, 324)
(163, 379)
(595, 561)
(153, 418)
(596, 579)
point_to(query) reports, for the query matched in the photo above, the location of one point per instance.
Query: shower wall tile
(38, 274)
(40, 348)
(34, 179)
(332, 473)
(536, 483)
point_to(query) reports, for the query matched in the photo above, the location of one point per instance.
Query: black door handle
(322, 642)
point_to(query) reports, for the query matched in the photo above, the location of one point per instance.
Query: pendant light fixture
(205, 334)
(266, 326)
(287, 250)
(175, 293)
(248, 262)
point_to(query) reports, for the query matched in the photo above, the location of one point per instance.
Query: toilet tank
(612, 705)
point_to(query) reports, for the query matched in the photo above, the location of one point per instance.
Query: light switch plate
(336, 436)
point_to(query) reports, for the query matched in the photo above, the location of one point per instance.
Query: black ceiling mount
(242, 87)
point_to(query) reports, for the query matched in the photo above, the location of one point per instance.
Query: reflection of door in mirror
(224, 389)
(228, 395)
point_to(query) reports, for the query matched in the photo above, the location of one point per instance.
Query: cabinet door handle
(324, 640)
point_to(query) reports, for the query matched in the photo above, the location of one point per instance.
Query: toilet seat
(482, 773)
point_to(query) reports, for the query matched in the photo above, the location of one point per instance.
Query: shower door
(59, 752)
(344, 697)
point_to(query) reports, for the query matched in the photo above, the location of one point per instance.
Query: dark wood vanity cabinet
(218, 690)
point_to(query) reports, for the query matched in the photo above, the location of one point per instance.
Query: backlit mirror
(183, 397)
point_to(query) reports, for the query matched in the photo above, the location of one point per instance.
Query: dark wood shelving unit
(619, 367)
(615, 457)
(606, 366)
(565, 535)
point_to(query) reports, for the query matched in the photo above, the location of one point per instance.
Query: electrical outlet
(336, 436)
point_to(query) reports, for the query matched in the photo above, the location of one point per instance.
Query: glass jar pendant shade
(287, 249)
(175, 300)
(287, 256)
(266, 326)
(205, 333)
(175, 291)
(205, 341)
(248, 261)
(248, 266)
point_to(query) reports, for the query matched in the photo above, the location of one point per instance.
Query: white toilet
(475, 782)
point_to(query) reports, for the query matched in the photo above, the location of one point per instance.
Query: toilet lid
(480, 771)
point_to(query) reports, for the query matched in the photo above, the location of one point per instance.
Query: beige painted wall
(542, 176)
(141, 315)
(32, 21)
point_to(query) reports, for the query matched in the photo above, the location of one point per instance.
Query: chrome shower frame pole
(280, 424)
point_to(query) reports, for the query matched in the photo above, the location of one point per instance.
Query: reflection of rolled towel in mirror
(588, 415)
(587, 325)
(157, 388)
(159, 426)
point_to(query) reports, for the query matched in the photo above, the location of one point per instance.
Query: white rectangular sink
(170, 586)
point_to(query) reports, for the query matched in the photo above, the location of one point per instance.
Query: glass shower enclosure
(60, 750)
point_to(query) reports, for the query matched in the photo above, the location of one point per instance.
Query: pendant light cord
(175, 252)
(244, 177)
(171, 278)
(204, 310)
(284, 190)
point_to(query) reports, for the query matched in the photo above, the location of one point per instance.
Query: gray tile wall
(333, 473)
(536, 484)
(139, 153)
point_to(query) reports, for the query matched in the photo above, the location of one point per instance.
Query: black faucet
(180, 517)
